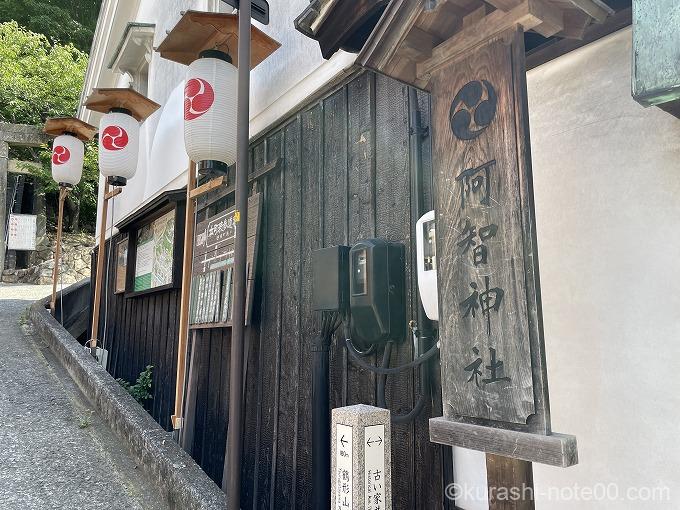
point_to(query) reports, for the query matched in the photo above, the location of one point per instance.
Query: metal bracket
(260, 9)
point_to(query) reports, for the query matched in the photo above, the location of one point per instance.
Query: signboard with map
(154, 253)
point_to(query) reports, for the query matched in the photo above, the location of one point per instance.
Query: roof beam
(418, 45)
(504, 5)
(575, 23)
(476, 16)
(553, 23)
(594, 8)
(529, 14)
(383, 43)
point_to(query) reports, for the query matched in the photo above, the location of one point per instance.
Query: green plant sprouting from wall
(141, 390)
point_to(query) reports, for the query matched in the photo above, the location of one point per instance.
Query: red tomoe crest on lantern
(114, 138)
(198, 98)
(60, 155)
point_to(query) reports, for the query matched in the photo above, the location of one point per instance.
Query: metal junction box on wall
(656, 54)
(377, 291)
(330, 268)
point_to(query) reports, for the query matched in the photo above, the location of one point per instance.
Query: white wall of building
(278, 85)
(607, 190)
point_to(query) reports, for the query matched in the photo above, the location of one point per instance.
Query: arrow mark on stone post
(371, 441)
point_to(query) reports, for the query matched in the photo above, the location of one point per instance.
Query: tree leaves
(37, 80)
(61, 21)
(40, 80)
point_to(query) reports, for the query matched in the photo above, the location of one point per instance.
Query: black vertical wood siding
(345, 176)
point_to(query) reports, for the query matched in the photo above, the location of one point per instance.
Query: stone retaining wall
(179, 479)
(75, 262)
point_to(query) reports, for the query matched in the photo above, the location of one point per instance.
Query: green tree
(37, 79)
(61, 21)
(40, 80)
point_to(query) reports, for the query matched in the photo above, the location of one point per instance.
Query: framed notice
(212, 286)
(121, 265)
(154, 253)
(21, 232)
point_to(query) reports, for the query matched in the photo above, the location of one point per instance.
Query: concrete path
(55, 450)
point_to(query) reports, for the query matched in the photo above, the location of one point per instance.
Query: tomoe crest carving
(473, 109)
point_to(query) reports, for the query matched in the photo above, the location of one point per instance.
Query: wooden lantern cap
(105, 100)
(60, 125)
(198, 31)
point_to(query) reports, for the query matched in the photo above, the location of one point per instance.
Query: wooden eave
(103, 100)
(340, 24)
(197, 31)
(409, 42)
(148, 210)
(59, 125)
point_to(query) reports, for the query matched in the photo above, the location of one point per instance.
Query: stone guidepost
(361, 466)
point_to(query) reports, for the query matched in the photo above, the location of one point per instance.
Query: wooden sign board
(121, 265)
(493, 361)
(212, 280)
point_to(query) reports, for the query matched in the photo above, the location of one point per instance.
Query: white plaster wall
(297, 57)
(160, 166)
(607, 190)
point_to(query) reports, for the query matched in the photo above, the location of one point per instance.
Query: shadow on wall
(168, 158)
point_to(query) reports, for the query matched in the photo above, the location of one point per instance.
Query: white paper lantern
(210, 99)
(67, 159)
(118, 145)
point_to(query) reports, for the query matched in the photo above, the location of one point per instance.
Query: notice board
(213, 266)
(21, 232)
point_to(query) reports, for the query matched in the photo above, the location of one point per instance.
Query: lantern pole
(232, 466)
(135, 106)
(100, 270)
(177, 418)
(63, 192)
(73, 133)
(108, 195)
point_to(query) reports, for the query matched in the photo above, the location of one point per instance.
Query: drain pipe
(425, 325)
(231, 477)
(321, 422)
(422, 331)
(416, 133)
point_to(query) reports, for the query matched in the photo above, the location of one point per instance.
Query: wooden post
(100, 270)
(185, 298)
(510, 483)
(63, 192)
(186, 438)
